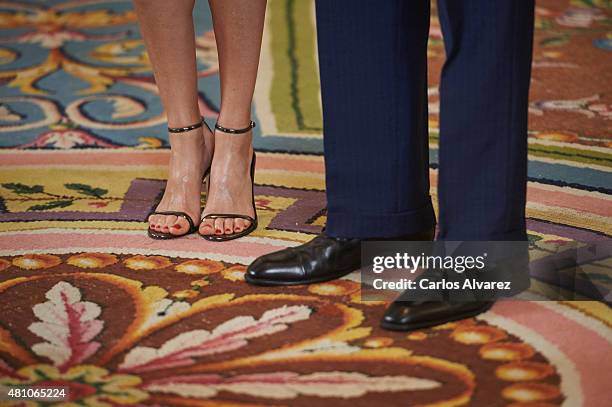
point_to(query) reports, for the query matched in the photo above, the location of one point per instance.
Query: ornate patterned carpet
(88, 301)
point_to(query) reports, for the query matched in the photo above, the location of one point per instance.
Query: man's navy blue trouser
(373, 63)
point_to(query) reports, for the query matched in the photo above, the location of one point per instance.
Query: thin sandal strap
(234, 131)
(187, 128)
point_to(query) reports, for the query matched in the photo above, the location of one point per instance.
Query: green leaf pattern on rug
(555, 41)
(51, 205)
(87, 190)
(19, 188)
(592, 3)
(54, 201)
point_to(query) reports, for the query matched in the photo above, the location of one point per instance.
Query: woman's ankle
(234, 119)
(183, 118)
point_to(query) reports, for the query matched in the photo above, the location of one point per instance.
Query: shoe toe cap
(398, 314)
(280, 266)
(257, 267)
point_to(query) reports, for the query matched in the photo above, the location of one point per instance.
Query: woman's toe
(163, 224)
(151, 221)
(247, 223)
(238, 225)
(156, 223)
(207, 227)
(228, 226)
(177, 225)
(170, 220)
(219, 224)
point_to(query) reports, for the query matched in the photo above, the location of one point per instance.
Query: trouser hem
(367, 225)
(510, 236)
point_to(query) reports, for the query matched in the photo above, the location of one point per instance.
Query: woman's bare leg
(238, 26)
(168, 32)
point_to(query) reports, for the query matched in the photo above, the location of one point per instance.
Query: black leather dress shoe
(408, 316)
(324, 258)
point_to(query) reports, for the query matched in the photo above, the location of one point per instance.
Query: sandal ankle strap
(234, 131)
(187, 128)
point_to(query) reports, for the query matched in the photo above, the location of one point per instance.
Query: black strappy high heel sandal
(253, 221)
(154, 234)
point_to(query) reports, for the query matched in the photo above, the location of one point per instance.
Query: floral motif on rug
(153, 330)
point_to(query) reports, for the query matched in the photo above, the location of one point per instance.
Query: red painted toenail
(176, 226)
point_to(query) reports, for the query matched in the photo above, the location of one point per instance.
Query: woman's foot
(191, 154)
(230, 184)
